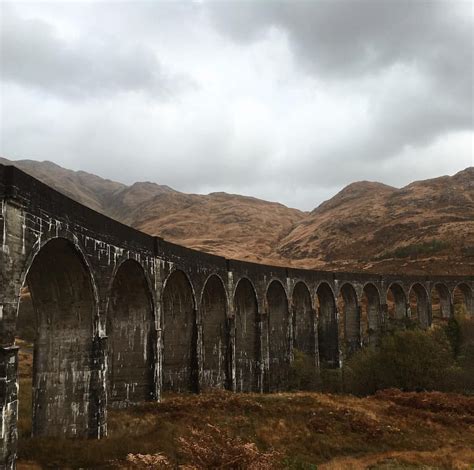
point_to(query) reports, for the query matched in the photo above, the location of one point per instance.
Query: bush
(409, 360)
(303, 372)
(213, 447)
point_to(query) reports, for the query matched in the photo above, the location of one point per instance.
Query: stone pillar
(470, 304)
(291, 332)
(199, 373)
(384, 320)
(158, 349)
(9, 404)
(263, 381)
(98, 388)
(338, 342)
(451, 308)
(429, 312)
(157, 366)
(230, 362)
(317, 364)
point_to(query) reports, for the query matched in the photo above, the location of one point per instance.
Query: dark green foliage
(454, 335)
(303, 372)
(468, 250)
(331, 380)
(408, 360)
(416, 250)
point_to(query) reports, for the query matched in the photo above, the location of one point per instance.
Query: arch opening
(215, 337)
(396, 302)
(440, 303)
(131, 337)
(247, 338)
(304, 322)
(371, 316)
(350, 325)
(278, 336)
(463, 301)
(328, 335)
(55, 320)
(180, 369)
(419, 306)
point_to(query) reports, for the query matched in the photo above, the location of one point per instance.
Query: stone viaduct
(122, 316)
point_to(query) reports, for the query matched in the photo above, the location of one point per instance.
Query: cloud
(280, 100)
(345, 39)
(34, 54)
(413, 61)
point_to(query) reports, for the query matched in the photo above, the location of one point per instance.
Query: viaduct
(122, 316)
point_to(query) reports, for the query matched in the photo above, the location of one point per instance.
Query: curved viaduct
(122, 316)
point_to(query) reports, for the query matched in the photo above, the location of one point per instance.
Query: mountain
(425, 227)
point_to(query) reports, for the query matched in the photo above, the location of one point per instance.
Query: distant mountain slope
(425, 227)
(88, 189)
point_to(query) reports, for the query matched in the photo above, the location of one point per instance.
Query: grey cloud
(347, 38)
(350, 42)
(304, 98)
(34, 55)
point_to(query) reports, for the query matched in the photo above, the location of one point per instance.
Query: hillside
(425, 227)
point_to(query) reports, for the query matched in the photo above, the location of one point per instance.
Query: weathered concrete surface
(121, 316)
(132, 337)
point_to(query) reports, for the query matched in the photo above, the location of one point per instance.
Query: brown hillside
(226, 224)
(88, 189)
(425, 227)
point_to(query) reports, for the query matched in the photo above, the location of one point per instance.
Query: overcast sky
(286, 101)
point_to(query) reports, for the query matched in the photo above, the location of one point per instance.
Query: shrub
(214, 448)
(409, 360)
(303, 372)
(454, 334)
(415, 250)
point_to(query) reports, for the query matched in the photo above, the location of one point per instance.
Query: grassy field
(390, 430)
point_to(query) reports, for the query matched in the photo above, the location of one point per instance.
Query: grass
(219, 429)
(300, 431)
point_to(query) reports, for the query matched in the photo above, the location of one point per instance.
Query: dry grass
(445, 458)
(290, 430)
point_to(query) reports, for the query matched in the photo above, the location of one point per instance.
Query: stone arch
(131, 336)
(419, 305)
(180, 367)
(462, 298)
(371, 307)
(350, 318)
(64, 299)
(78, 248)
(278, 336)
(247, 337)
(440, 302)
(304, 322)
(396, 302)
(328, 335)
(215, 334)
